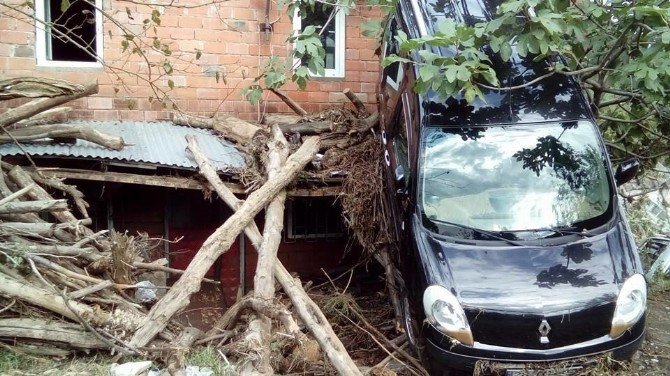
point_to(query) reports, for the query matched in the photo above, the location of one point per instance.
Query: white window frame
(41, 36)
(340, 26)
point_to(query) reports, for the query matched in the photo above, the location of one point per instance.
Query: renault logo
(544, 331)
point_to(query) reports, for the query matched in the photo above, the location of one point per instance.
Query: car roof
(555, 98)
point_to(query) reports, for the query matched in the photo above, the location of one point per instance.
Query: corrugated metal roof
(157, 143)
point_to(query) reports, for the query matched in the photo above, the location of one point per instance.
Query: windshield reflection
(514, 178)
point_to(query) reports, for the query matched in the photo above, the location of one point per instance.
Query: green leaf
(371, 28)
(198, 54)
(450, 73)
(170, 84)
(64, 4)
(427, 72)
(124, 44)
(463, 74)
(505, 51)
(447, 27)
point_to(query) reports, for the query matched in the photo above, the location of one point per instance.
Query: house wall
(228, 35)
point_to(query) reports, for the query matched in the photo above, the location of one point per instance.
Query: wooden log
(90, 289)
(178, 296)
(36, 106)
(36, 206)
(238, 130)
(309, 311)
(258, 337)
(307, 128)
(290, 102)
(353, 98)
(68, 334)
(16, 195)
(82, 132)
(39, 229)
(23, 179)
(34, 87)
(50, 116)
(275, 119)
(50, 301)
(24, 245)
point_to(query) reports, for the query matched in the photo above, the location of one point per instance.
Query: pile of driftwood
(65, 286)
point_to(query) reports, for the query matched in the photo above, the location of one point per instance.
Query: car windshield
(515, 178)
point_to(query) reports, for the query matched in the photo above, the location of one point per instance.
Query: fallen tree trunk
(264, 283)
(50, 301)
(307, 128)
(178, 296)
(36, 206)
(36, 106)
(82, 132)
(71, 335)
(33, 87)
(311, 314)
(236, 129)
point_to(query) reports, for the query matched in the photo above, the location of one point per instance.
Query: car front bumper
(447, 354)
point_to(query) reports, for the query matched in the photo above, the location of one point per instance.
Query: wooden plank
(171, 181)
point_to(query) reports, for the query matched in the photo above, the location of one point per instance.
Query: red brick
(15, 37)
(105, 115)
(190, 22)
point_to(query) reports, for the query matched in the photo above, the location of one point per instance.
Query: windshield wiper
(566, 230)
(479, 231)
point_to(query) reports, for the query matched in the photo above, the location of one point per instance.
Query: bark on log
(50, 301)
(50, 116)
(36, 206)
(360, 106)
(39, 229)
(307, 128)
(16, 194)
(33, 87)
(64, 333)
(290, 102)
(90, 254)
(240, 131)
(63, 131)
(178, 296)
(316, 321)
(264, 283)
(36, 106)
(177, 361)
(23, 179)
(275, 119)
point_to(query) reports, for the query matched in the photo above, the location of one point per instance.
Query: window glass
(329, 24)
(72, 34)
(313, 218)
(515, 178)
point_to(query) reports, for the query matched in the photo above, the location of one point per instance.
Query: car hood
(531, 279)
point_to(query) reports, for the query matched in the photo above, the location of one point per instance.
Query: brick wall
(227, 33)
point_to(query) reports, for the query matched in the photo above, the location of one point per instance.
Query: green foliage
(619, 51)
(210, 358)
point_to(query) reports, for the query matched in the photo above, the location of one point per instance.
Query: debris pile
(65, 288)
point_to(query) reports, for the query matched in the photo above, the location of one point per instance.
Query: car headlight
(630, 305)
(445, 313)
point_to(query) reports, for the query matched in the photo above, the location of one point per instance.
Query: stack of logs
(65, 286)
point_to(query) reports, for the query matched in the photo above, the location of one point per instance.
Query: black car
(513, 246)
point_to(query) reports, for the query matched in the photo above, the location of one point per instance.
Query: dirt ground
(654, 357)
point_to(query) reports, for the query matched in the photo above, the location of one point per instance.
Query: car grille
(522, 330)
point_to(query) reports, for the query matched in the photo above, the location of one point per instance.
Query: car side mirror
(626, 171)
